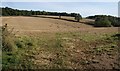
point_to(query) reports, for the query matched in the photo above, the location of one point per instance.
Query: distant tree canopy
(14, 12)
(104, 20)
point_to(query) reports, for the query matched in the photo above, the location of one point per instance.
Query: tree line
(15, 12)
(105, 21)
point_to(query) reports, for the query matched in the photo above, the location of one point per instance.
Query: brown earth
(35, 25)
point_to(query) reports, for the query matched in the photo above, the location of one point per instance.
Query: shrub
(102, 22)
(8, 39)
(13, 58)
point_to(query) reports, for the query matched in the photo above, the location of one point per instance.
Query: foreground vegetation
(71, 50)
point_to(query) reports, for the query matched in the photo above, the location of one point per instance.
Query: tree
(6, 11)
(102, 22)
(59, 15)
(78, 17)
(114, 20)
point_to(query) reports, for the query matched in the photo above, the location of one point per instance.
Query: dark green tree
(102, 22)
(78, 17)
(14, 12)
(114, 20)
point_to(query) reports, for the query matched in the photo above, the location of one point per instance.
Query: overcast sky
(84, 8)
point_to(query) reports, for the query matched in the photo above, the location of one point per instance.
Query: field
(46, 42)
(27, 25)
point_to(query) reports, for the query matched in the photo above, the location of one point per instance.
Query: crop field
(46, 42)
(27, 25)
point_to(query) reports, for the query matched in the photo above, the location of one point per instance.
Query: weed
(8, 39)
(14, 50)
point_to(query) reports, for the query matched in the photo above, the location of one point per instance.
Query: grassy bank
(60, 50)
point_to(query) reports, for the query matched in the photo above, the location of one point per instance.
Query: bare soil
(35, 25)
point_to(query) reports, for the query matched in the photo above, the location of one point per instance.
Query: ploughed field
(50, 43)
(26, 25)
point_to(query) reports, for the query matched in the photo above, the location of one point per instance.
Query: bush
(102, 22)
(15, 55)
(8, 39)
